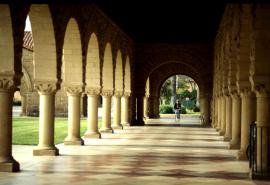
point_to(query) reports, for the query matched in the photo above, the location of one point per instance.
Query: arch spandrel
(6, 42)
(44, 43)
(127, 84)
(107, 69)
(119, 72)
(93, 63)
(72, 55)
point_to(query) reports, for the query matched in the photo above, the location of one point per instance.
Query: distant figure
(177, 109)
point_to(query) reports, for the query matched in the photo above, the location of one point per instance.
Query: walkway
(160, 153)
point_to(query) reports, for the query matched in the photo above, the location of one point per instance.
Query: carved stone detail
(46, 87)
(127, 93)
(74, 90)
(118, 93)
(6, 84)
(107, 92)
(92, 91)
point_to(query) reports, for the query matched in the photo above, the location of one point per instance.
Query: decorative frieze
(107, 92)
(92, 91)
(45, 87)
(74, 89)
(118, 93)
(6, 84)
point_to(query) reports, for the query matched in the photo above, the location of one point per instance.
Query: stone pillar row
(235, 112)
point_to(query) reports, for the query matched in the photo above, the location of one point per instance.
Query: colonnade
(241, 79)
(111, 81)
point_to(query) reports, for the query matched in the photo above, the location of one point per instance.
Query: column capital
(127, 93)
(246, 92)
(107, 92)
(46, 87)
(260, 85)
(235, 95)
(74, 90)
(118, 93)
(6, 83)
(232, 88)
(92, 91)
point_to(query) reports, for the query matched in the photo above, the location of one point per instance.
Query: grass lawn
(25, 130)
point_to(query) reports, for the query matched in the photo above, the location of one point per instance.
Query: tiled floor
(160, 153)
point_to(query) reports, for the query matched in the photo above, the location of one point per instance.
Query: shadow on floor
(176, 125)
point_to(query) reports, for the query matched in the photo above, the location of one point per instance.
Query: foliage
(196, 109)
(25, 130)
(166, 91)
(183, 110)
(166, 109)
(17, 103)
(186, 91)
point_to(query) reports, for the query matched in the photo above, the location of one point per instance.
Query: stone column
(117, 111)
(223, 116)
(236, 120)
(46, 145)
(248, 115)
(125, 109)
(263, 129)
(106, 113)
(156, 106)
(228, 132)
(7, 162)
(24, 102)
(92, 113)
(205, 110)
(74, 94)
(146, 106)
(139, 120)
(218, 114)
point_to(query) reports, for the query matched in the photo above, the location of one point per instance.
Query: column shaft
(248, 115)
(7, 163)
(24, 102)
(236, 120)
(74, 112)
(223, 116)
(46, 126)
(145, 107)
(228, 132)
(92, 119)
(125, 110)
(219, 114)
(117, 113)
(106, 115)
(263, 132)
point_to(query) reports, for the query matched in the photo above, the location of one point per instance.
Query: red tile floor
(162, 152)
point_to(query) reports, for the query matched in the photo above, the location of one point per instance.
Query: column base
(92, 135)
(221, 133)
(10, 166)
(241, 155)
(217, 129)
(233, 145)
(227, 138)
(52, 151)
(106, 130)
(117, 127)
(76, 141)
(125, 124)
